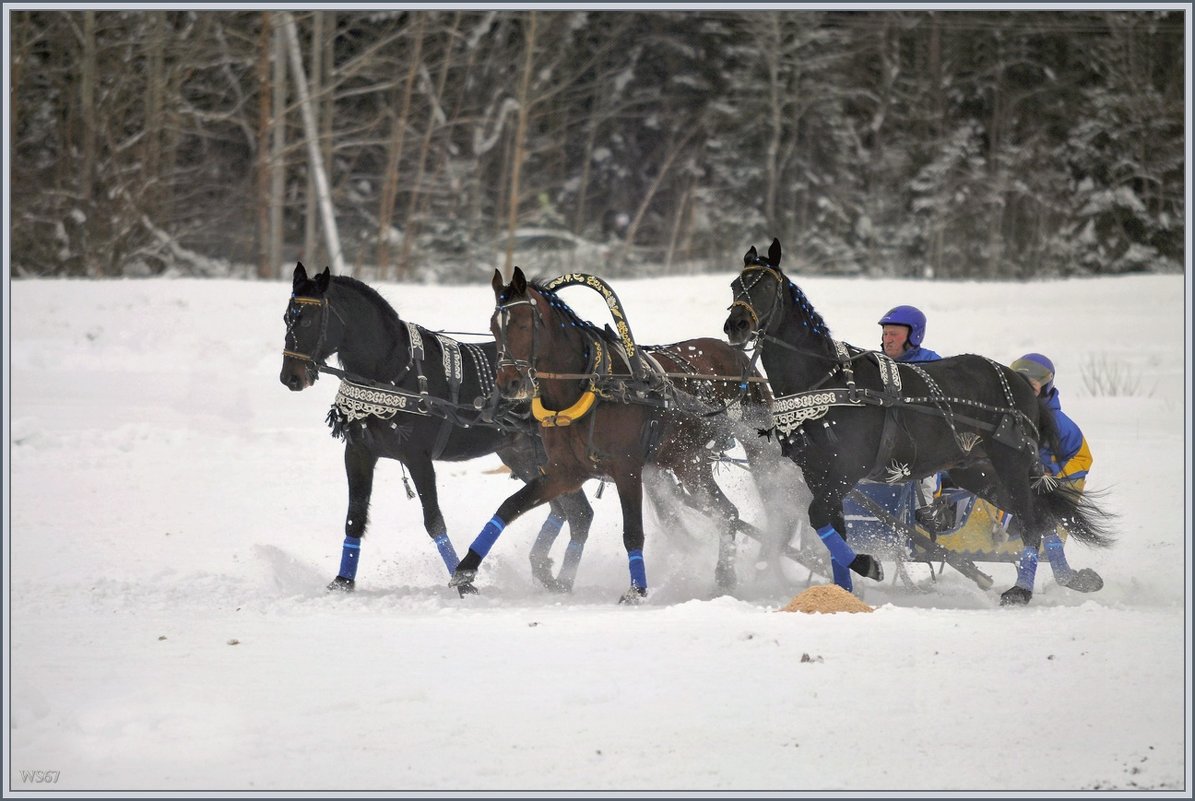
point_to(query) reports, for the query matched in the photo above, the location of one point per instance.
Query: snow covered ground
(174, 513)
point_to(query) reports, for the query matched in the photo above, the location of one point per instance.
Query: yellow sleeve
(1079, 463)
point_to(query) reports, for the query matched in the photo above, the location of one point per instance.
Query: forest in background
(965, 144)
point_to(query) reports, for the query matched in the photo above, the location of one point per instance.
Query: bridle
(548, 418)
(742, 297)
(293, 314)
(525, 367)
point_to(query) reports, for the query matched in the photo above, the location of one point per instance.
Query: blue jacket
(919, 355)
(1072, 463)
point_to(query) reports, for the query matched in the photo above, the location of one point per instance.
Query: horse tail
(1078, 512)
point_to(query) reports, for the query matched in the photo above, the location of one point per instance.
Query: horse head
(515, 323)
(306, 344)
(758, 296)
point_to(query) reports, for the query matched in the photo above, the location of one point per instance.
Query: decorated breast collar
(790, 411)
(357, 401)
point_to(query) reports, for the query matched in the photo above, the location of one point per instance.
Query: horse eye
(305, 322)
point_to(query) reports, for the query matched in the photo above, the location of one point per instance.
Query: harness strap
(417, 354)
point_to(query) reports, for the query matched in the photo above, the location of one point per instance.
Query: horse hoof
(460, 576)
(726, 580)
(633, 596)
(341, 584)
(466, 589)
(1015, 596)
(868, 567)
(1085, 580)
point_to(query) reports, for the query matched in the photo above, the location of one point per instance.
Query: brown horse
(599, 422)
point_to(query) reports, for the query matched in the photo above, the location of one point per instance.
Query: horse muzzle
(512, 383)
(738, 327)
(297, 375)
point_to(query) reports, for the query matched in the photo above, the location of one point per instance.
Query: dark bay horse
(434, 418)
(843, 414)
(597, 423)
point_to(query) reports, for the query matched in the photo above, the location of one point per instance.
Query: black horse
(844, 414)
(601, 419)
(409, 395)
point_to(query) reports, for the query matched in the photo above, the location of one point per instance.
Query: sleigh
(881, 520)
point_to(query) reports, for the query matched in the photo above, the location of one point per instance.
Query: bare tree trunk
(772, 54)
(434, 108)
(310, 222)
(394, 155)
(87, 80)
(277, 155)
(677, 148)
(327, 106)
(516, 172)
(264, 93)
(938, 222)
(677, 221)
(313, 151)
(155, 91)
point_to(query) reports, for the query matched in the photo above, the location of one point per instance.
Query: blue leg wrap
(447, 552)
(552, 526)
(488, 536)
(638, 571)
(839, 550)
(348, 557)
(1027, 568)
(1054, 552)
(842, 575)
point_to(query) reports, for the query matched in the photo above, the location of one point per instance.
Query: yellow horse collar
(553, 419)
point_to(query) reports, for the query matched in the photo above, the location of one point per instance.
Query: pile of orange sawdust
(826, 598)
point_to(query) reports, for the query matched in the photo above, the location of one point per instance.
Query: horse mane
(370, 295)
(557, 302)
(813, 321)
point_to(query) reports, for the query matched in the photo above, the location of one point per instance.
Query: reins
(817, 399)
(411, 402)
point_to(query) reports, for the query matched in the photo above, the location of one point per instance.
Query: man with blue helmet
(1069, 466)
(903, 329)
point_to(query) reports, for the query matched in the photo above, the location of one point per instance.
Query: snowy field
(174, 514)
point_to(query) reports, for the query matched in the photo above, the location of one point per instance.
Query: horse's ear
(323, 279)
(750, 256)
(774, 253)
(300, 276)
(496, 281)
(519, 281)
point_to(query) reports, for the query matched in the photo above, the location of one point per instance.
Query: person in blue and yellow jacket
(1068, 465)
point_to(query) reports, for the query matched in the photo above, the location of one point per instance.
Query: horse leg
(988, 481)
(580, 517)
(423, 473)
(575, 509)
(541, 562)
(630, 496)
(700, 477)
(537, 491)
(359, 464)
(825, 515)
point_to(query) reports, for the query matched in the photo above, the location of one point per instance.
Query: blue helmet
(1037, 367)
(909, 316)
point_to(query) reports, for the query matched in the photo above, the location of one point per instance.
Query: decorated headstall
(755, 269)
(295, 318)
